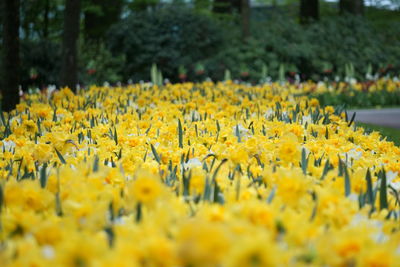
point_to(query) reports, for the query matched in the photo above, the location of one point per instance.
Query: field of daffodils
(193, 175)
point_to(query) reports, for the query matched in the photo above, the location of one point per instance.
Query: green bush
(169, 37)
(351, 39)
(324, 48)
(40, 63)
(97, 65)
(179, 38)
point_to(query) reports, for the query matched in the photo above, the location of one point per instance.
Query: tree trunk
(354, 7)
(69, 67)
(11, 61)
(245, 13)
(309, 11)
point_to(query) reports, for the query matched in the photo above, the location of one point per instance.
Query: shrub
(342, 40)
(166, 36)
(327, 46)
(40, 63)
(98, 65)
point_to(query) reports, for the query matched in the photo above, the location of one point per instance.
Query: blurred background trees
(10, 57)
(69, 42)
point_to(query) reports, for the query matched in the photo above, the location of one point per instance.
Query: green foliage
(40, 63)
(351, 39)
(99, 15)
(141, 5)
(177, 37)
(169, 37)
(325, 49)
(99, 65)
(156, 75)
(41, 19)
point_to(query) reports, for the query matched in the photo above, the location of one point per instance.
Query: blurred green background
(119, 40)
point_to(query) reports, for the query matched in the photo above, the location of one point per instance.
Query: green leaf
(213, 186)
(110, 236)
(394, 192)
(257, 157)
(155, 154)
(237, 133)
(352, 119)
(145, 155)
(370, 192)
(264, 72)
(304, 161)
(60, 156)
(148, 130)
(347, 185)
(216, 194)
(227, 76)
(186, 183)
(59, 211)
(154, 74)
(214, 177)
(43, 176)
(39, 127)
(3, 120)
(96, 164)
(209, 155)
(207, 189)
(180, 133)
(1, 198)
(383, 201)
(187, 155)
(340, 167)
(138, 212)
(111, 211)
(55, 115)
(271, 195)
(160, 78)
(281, 73)
(315, 209)
(325, 170)
(115, 136)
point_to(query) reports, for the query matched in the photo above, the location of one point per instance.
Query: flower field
(372, 93)
(194, 175)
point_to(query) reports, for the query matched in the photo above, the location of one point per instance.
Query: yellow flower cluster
(194, 175)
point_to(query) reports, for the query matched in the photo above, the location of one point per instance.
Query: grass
(371, 107)
(390, 133)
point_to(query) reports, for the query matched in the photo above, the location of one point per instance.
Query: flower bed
(194, 175)
(380, 93)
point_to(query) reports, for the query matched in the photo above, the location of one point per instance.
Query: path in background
(389, 117)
